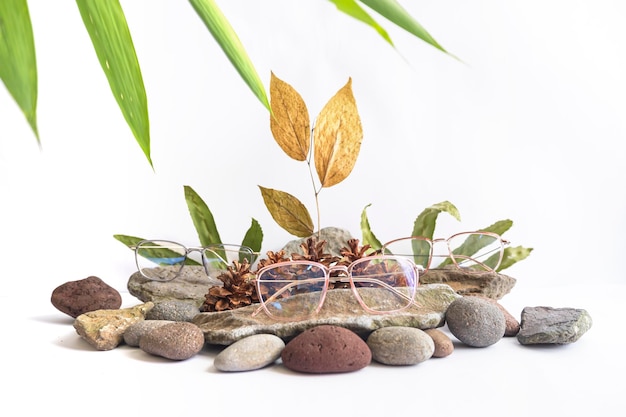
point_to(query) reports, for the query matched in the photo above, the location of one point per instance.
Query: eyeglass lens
(296, 290)
(163, 260)
(478, 252)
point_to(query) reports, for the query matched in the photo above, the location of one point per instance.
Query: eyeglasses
(474, 252)
(296, 290)
(164, 260)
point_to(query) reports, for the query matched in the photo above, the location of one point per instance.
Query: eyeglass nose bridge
(338, 278)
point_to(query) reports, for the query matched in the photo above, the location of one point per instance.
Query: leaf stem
(316, 191)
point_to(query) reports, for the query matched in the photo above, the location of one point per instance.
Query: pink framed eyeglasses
(295, 290)
(473, 252)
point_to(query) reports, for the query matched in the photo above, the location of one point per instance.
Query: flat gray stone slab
(340, 309)
(547, 325)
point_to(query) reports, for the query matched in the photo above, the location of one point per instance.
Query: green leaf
(394, 12)
(18, 65)
(368, 236)
(288, 212)
(202, 218)
(228, 40)
(132, 241)
(108, 30)
(499, 227)
(352, 8)
(425, 223)
(513, 255)
(254, 237)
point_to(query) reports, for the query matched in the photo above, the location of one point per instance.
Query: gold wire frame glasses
(473, 252)
(295, 290)
(164, 260)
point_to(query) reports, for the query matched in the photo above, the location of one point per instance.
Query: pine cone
(314, 251)
(272, 258)
(355, 252)
(238, 289)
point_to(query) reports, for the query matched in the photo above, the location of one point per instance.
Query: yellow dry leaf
(288, 212)
(337, 137)
(289, 119)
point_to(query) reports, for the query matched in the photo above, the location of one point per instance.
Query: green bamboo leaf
(202, 218)
(225, 35)
(288, 212)
(18, 65)
(352, 8)
(154, 253)
(254, 237)
(425, 223)
(513, 255)
(368, 236)
(394, 12)
(106, 24)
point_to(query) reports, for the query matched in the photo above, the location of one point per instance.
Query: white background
(527, 125)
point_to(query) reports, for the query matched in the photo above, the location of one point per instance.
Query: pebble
(104, 329)
(134, 332)
(250, 353)
(90, 294)
(475, 322)
(177, 341)
(326, 349)
(173, 310)
(443, 344)
(397, 345)
(548, 325)
(512, 325)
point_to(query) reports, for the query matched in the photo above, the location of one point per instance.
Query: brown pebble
(177, 341)
(443, 344)
(90, 294)
(326, 349)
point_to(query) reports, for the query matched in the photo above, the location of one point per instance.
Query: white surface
(530, 126)
(48, 363)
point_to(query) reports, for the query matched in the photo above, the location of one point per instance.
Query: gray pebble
(398, 345)
(249, 353)
(475, 322)
(173, 310)
(176, 341)
(547, 325)
(135, 331)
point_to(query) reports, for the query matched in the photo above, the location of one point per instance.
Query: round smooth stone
(177, 341)
(475, 322)
(443, 344)
(250, 353)
(135, 331)
(397, 345)
(326, 349)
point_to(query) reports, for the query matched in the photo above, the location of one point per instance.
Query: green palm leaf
(110, 36)
(228, 40)
(395, 13)
(18, 65)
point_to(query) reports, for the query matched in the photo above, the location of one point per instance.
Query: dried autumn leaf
(288, 212)
(337, 137)
(289, 119)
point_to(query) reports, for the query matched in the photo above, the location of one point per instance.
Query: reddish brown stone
(90, 294)
(443, 344)
(326, 349)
